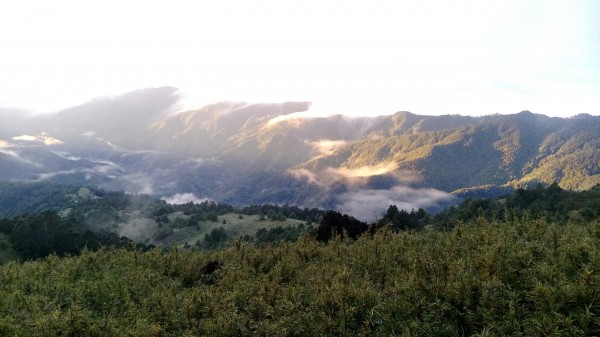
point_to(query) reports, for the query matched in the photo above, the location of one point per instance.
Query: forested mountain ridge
(244, 153)
(499, 150)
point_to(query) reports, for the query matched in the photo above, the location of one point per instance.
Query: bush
(481, 277)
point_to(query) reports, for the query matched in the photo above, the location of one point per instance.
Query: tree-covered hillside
(515, 150)
(64, 219)
(244, 153)
(511, 278)
(553, 204)
(60, 219)
(521, 264)
(20, 198)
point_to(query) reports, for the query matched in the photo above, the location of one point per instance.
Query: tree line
(37, 235)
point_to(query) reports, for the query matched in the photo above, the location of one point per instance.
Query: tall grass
(480, 278)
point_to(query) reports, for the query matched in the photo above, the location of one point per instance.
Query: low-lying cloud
(9, 153)
(369, 204)
(66, 155)
(199, 162)
(50, 175)
(305, 174)
(137, 229)
(363, 171)
(15, 154)
(141, 183)
(367, 201)
(326, 147)
(4, 149)
(103, 169)
(291, 119)
(184, 198)
(41, 138)
(355, 176)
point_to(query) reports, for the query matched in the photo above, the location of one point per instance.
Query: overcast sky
(355, 57)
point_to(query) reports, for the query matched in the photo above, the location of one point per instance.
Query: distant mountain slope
(570, 155)
(122, 120)
(244, 153)
(513, 150)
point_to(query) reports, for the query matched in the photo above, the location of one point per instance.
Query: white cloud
(369, 204)
(199, 162)
(9, 153)
(305, 174)
(327, 146)
(50, 175)
(26, 138)
(4, 144)
(140, 183)
(363, 171)
(355, 176)
(66, 156)
(41, 138)
(184, 198)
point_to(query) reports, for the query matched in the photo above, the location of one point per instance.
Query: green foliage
(210, 207)
(453, 153)
(34, 236)
(337, 224)
(291, 233)
(403, 220)
(481, 278)
(551, 203)
(285, 211)
(216, 238)
(144, 218)
(20, 198)
(212, 216)
(275, 216)
(7, 252)
(41, 234)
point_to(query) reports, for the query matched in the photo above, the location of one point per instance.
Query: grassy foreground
(478, 279)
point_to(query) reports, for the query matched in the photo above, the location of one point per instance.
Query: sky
(353, 57)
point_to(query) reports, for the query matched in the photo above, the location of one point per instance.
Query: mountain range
(244, 153)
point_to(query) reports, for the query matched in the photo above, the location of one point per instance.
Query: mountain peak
(232, 151)
(582, 116)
